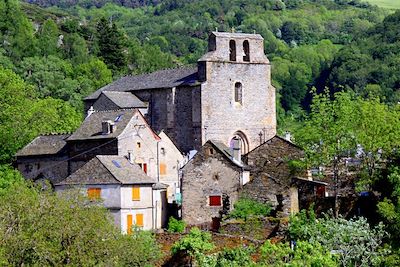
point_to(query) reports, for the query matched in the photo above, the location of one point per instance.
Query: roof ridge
(53, 133)
(171, 68)
(113, 110)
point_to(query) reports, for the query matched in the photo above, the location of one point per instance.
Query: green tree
(111, 45)
(42, 228)
(48, 38)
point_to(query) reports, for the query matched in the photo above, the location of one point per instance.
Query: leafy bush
(41, 228)
(355, 241)
(235, 257)
(246, 207)
(304, 254)
(195, 244)
(176, 226)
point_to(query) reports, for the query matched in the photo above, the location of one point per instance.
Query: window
(215, 201)
(232, 50)
(94, 193)
(138, 145)
(238, 93)
(139, 219)
(163, 169)
(210, 151)
(129, 224)
(143, 166)
(136, 193)
(246, 51)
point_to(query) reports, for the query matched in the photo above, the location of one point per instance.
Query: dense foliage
(246, 207)
(33, 233)
(176, 226)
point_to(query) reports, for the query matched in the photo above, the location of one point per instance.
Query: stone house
(211, 183)
(132, 197)
(228, 95)
(45, 158)
(126, 133)
(275, 181)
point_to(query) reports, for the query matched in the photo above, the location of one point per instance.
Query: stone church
(228, 95)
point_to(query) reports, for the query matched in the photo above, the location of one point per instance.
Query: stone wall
(53, 168)
(204, 176)
(222, 116)
(271, 177)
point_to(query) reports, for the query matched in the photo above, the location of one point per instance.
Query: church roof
(167, 78)
(238, 35)
(108, 170)
(44, 145)
(124, 99)
(91, 127)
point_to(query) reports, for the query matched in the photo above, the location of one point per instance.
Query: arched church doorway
(243, 141)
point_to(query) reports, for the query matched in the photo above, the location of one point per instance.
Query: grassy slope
(392, 4)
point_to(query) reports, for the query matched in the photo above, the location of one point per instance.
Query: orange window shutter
(163, 169)
(139, 220)
(136, 193)
(94, 193)
(129, 224)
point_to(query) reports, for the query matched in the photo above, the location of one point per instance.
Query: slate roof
(44, 145)
(124, 99)
(108, 170)
(167, 78)
(227, 152)
(237, 35)
(91, 127)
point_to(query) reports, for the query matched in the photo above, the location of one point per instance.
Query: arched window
(246, 51)
(243, 141)
(238, 93)
(232, 50)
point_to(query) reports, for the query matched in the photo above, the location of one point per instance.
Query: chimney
(288, 136)
(236, 149)
(90, 111)
(131, 158)
(107, 127)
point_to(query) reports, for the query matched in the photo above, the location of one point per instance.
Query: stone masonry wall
(207, 175)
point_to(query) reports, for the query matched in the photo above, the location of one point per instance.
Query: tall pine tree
(111, 45)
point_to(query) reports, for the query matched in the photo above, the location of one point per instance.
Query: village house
(45, 158)
(131, 196)
(211, 182)
(275, 179)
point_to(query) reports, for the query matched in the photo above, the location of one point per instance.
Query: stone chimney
(90, 111)
(236, 149)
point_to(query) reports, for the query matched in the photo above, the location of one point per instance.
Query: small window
(246, 51)
(143, 166)
(139, 220)
(215, 177)
(94, 193)
(238, 93)
(215, 201)
(210, 151)
(232, 50)
(138, 145)
(136, 193)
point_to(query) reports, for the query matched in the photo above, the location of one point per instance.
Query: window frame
(93, 193)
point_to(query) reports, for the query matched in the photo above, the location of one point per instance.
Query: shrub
(176, 226)
(354, 241)
(246, 207)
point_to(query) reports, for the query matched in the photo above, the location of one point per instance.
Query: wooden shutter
(136, 193)
(163, 169)
(129, 224)
(94, 193)
(139, 219)
(215, 200)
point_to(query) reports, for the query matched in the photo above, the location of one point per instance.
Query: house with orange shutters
(117, 182)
